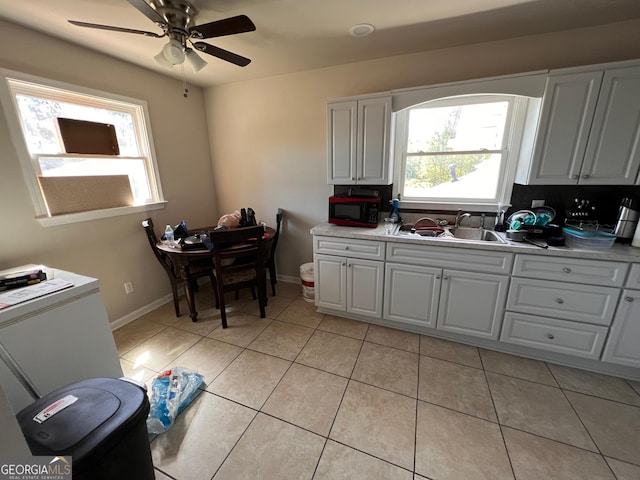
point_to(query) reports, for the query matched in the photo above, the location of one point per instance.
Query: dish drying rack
(589, 226)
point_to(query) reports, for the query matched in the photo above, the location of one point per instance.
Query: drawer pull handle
(346, 247)
(550, 336)
(566, 270)
(559, 300)
(629, 299)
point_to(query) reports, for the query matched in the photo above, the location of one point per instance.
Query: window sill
(467, 207)
(97, 214)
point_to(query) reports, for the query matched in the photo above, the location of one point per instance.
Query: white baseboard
(130, 317)
(288, 279)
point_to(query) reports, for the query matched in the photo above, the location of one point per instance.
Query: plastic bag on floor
(171, 392)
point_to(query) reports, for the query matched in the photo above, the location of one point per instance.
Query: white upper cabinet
(359, 133)
(588, 130)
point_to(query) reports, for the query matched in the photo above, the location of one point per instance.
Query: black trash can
(104, 429)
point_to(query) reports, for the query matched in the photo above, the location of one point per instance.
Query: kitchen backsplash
(605, 198)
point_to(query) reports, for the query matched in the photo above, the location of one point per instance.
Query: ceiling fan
(177, 19)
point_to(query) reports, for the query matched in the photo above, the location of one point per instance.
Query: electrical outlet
(128, 287)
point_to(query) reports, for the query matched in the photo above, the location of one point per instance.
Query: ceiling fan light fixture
(361, 30)
(195, 62)
(172, 53)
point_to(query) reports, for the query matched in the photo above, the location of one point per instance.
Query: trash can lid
(83, 419)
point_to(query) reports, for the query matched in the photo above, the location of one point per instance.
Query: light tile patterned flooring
(305, 395)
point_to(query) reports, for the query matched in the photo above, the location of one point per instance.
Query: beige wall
(114, 250)
(268, 136)
(265, 140)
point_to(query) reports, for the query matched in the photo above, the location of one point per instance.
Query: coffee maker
(627, 221)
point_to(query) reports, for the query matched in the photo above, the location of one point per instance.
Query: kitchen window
(61, 132)
(459, 151)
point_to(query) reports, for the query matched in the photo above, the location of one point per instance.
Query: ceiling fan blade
(226, 26)
(148, 11)
(223, 54)
(114, 29)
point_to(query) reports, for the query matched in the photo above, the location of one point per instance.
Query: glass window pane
(135, 168)
(470, 127)
(39, 124)
(452, 176)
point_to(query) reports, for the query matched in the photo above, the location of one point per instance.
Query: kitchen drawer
(347, 247)
(571, 301)
(634, 277)
(592, 272)
(446, 257)
(555, 335)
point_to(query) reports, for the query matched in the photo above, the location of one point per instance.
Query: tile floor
(305, 395)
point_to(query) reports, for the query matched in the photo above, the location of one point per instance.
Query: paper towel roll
(636, 237)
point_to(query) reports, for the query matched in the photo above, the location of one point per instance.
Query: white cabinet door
(567, 112)
(411, 294)
(364, 287)
(613, 151)
(358, 136)
(330, 282)
(623, 344)
(341, 142)
(374, 129)
(472, 303)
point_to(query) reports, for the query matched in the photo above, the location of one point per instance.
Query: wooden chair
(271, 263)
(240, 260)
(197, 270)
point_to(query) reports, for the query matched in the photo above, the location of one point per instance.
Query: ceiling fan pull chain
(185, 93)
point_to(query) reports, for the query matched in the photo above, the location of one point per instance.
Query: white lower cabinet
(463, 302)
(623, 344)
(472, 303)
(350, 285)
(411, 294)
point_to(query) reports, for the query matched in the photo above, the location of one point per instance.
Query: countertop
(618, 252)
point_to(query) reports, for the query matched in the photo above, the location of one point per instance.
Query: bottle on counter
(168, 235)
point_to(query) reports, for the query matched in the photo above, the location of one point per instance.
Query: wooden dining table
(184, 259)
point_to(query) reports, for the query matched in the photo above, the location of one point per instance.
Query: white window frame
(512, 141)
(84, 96)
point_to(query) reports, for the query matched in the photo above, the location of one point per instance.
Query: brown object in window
(80, 136)
(81, 194)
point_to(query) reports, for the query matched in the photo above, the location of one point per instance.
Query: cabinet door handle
(343, 264)
(445, 277)
(566, 270)
(353, 178)
(359, 178)
(438, 277)
(346, 247)
(349, 265)
(559, 300)
(585, 176)
(629, 299)
(575, 177)
(550, 336)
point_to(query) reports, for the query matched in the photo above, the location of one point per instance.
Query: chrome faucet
(461, 216)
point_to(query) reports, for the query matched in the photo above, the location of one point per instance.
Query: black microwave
(354, 211)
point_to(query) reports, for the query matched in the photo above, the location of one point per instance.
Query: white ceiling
(296, 35)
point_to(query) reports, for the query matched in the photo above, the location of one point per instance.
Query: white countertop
(81, 285)
(618, 252)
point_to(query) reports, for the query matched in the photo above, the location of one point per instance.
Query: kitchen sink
(476, 234)
(469, 234)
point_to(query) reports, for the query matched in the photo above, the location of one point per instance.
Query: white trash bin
(306, 278)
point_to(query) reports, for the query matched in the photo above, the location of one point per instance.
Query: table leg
(189, 293)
